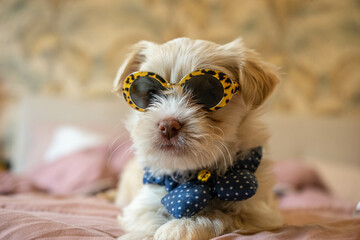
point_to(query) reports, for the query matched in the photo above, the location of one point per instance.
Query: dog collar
(185, 199)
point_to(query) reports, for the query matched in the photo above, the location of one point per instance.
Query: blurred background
(58, 59)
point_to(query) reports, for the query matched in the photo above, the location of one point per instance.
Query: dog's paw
(184, 229)
(136, 236)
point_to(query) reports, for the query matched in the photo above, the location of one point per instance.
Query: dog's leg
(203, 226)
(260, 212)
(130, 183)
(257, 217)
(136, 236)
(145, 214)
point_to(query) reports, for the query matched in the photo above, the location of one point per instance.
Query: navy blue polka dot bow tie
(185, 199)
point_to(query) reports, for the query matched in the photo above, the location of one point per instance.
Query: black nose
(169, 127)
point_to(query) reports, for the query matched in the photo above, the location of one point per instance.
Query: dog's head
(174, 133)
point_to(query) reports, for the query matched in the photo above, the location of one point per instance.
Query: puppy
(199, 170)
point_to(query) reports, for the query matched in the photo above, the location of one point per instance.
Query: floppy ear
(257, 79)
(131, 64)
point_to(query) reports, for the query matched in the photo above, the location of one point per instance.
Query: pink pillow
(11, 183)
(83, 172)
(297, 175)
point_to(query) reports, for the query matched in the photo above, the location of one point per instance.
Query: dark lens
(143, 90)
(206, 90)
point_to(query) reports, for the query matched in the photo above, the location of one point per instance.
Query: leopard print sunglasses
(210, 88)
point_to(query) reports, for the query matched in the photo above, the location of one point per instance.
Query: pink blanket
(49, 217)
(26, 212)
(39, 216)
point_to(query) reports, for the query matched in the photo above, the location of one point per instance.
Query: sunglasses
(211, 89)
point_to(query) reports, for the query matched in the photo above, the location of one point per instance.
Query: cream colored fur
(208, 140)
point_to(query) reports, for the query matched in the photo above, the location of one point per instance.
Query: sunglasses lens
(206, 90)
(143, 90)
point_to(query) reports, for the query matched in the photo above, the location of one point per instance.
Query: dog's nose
(169, 127)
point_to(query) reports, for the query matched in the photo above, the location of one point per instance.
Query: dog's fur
(206, 140)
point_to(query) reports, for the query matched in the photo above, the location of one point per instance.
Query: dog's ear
(131, 64)
(257, 78)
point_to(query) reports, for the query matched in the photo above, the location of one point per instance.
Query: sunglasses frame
(230, 87)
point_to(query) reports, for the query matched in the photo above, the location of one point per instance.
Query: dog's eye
(205, 89)
(143, 90)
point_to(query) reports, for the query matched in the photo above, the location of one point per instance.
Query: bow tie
(185, 199)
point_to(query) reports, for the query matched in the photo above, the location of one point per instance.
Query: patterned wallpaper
(73, 48)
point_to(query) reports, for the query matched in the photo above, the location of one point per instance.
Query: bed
(56, 193)
(309, 211)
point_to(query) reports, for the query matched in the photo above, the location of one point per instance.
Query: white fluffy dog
(191, 138)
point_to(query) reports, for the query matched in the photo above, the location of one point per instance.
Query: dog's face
(174, 133)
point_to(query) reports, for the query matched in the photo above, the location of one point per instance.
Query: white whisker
(120, 145)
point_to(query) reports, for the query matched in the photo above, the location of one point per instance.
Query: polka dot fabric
(250, 161)
(236, 186)
(166, 181)
(186, 199)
